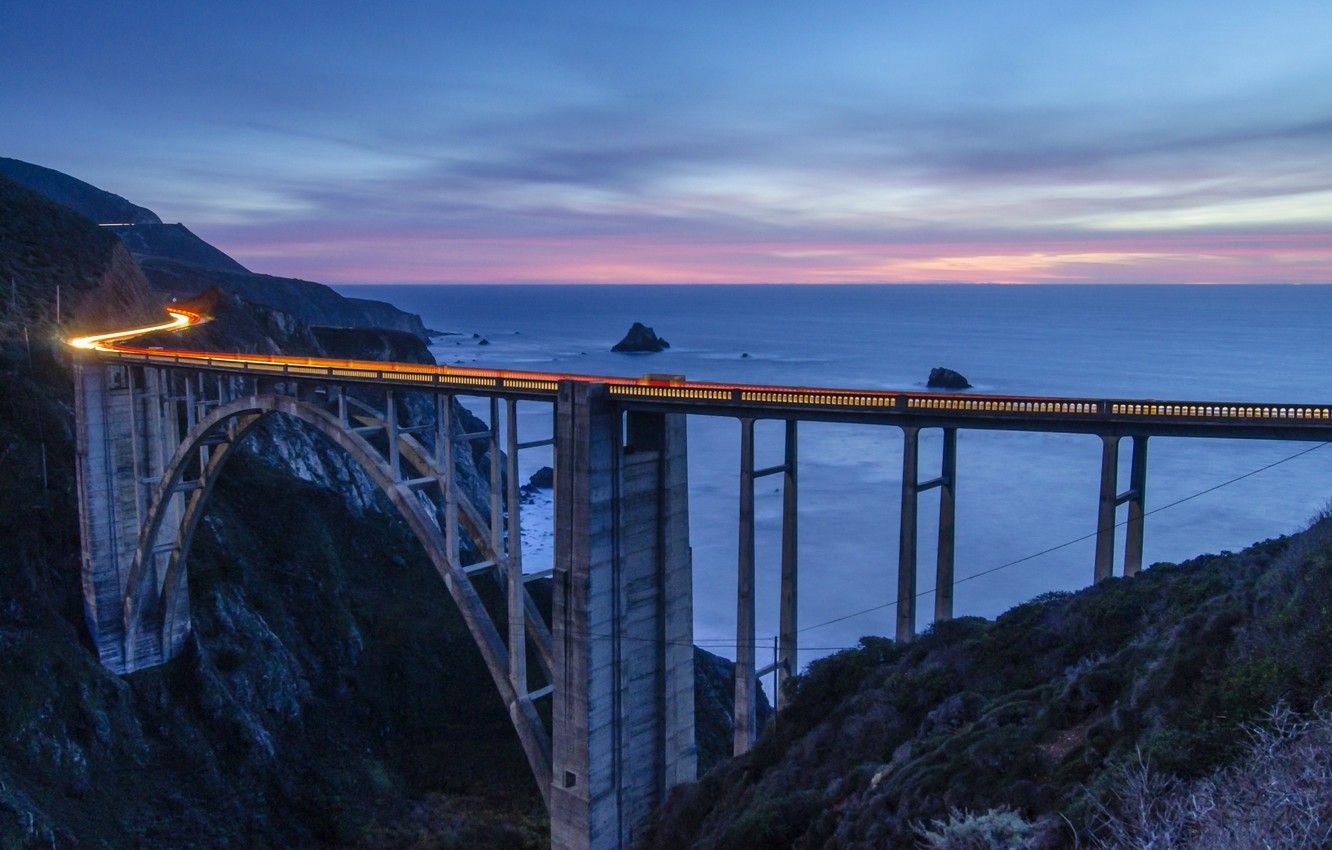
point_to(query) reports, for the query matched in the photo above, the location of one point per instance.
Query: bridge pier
(943, 580)
(1110, 498)
(746, 719)
(623, 713)
(788, 623)
(912, 487)
(906, 537)
(1137, 498)
(747, 673)
(121, 426)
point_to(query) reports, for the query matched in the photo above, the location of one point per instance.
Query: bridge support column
(906, 540)
(623, 712)
(1105, 513)
(1137, 498)
(746, 719)
(943, 577)
(788, 627)
(513, 558)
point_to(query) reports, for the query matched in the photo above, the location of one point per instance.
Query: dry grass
(1278, 797)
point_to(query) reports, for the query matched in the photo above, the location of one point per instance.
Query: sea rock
(543, 478)
(947, 379)
(641, 338)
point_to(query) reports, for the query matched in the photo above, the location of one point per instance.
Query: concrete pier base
(623, 714)
(120, 438)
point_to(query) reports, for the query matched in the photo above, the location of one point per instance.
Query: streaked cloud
(696, 142)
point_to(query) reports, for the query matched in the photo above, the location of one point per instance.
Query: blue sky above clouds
(700, 142)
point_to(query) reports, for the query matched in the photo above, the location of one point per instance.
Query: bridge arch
(156, 607)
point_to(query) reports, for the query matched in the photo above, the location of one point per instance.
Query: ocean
(1018, 494)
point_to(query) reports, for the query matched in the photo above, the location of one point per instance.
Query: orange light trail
(672, 389)
(110, 342)
(105, 342)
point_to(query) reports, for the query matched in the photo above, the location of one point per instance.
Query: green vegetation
(1035, 714)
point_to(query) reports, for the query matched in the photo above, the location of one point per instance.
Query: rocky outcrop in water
(641, 339)
(947, 379)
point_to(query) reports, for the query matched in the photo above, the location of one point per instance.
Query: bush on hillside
(996, 829)
(1278, 796)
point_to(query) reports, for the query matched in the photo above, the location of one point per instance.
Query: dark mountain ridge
(180, 264)
(83, 198)
(174, 242)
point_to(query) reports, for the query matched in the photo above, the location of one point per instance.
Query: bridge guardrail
(674, 389)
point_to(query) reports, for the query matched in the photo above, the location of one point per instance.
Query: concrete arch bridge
(156, 427)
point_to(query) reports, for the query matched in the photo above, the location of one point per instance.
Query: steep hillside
(44, 249)
(316, 303)
(83, 198)
(181, 265)
(1042, 711)
(174, 242)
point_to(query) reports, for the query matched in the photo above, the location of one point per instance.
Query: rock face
(714, 708)
(315, 303)
(641, 339)
(947, 379)
(543, 478)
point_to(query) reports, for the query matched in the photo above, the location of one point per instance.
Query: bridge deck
(663, 393)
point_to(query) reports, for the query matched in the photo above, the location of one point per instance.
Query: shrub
(997, 829)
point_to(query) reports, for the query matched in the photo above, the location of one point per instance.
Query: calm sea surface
(1017, 493)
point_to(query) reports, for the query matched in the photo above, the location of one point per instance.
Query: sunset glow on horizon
(611, 143)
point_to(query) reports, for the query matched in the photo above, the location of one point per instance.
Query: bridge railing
(673, 390)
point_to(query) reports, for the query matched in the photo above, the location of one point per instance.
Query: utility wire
(1075, 540)
(721, 643)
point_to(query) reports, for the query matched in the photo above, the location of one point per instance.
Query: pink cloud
(421, 258)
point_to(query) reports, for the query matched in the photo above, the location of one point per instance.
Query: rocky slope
(174, 242)
(315, 303)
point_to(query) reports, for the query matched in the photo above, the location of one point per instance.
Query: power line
(1075, 540)
(724, 643)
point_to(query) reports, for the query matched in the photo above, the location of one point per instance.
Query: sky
(650, 142)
